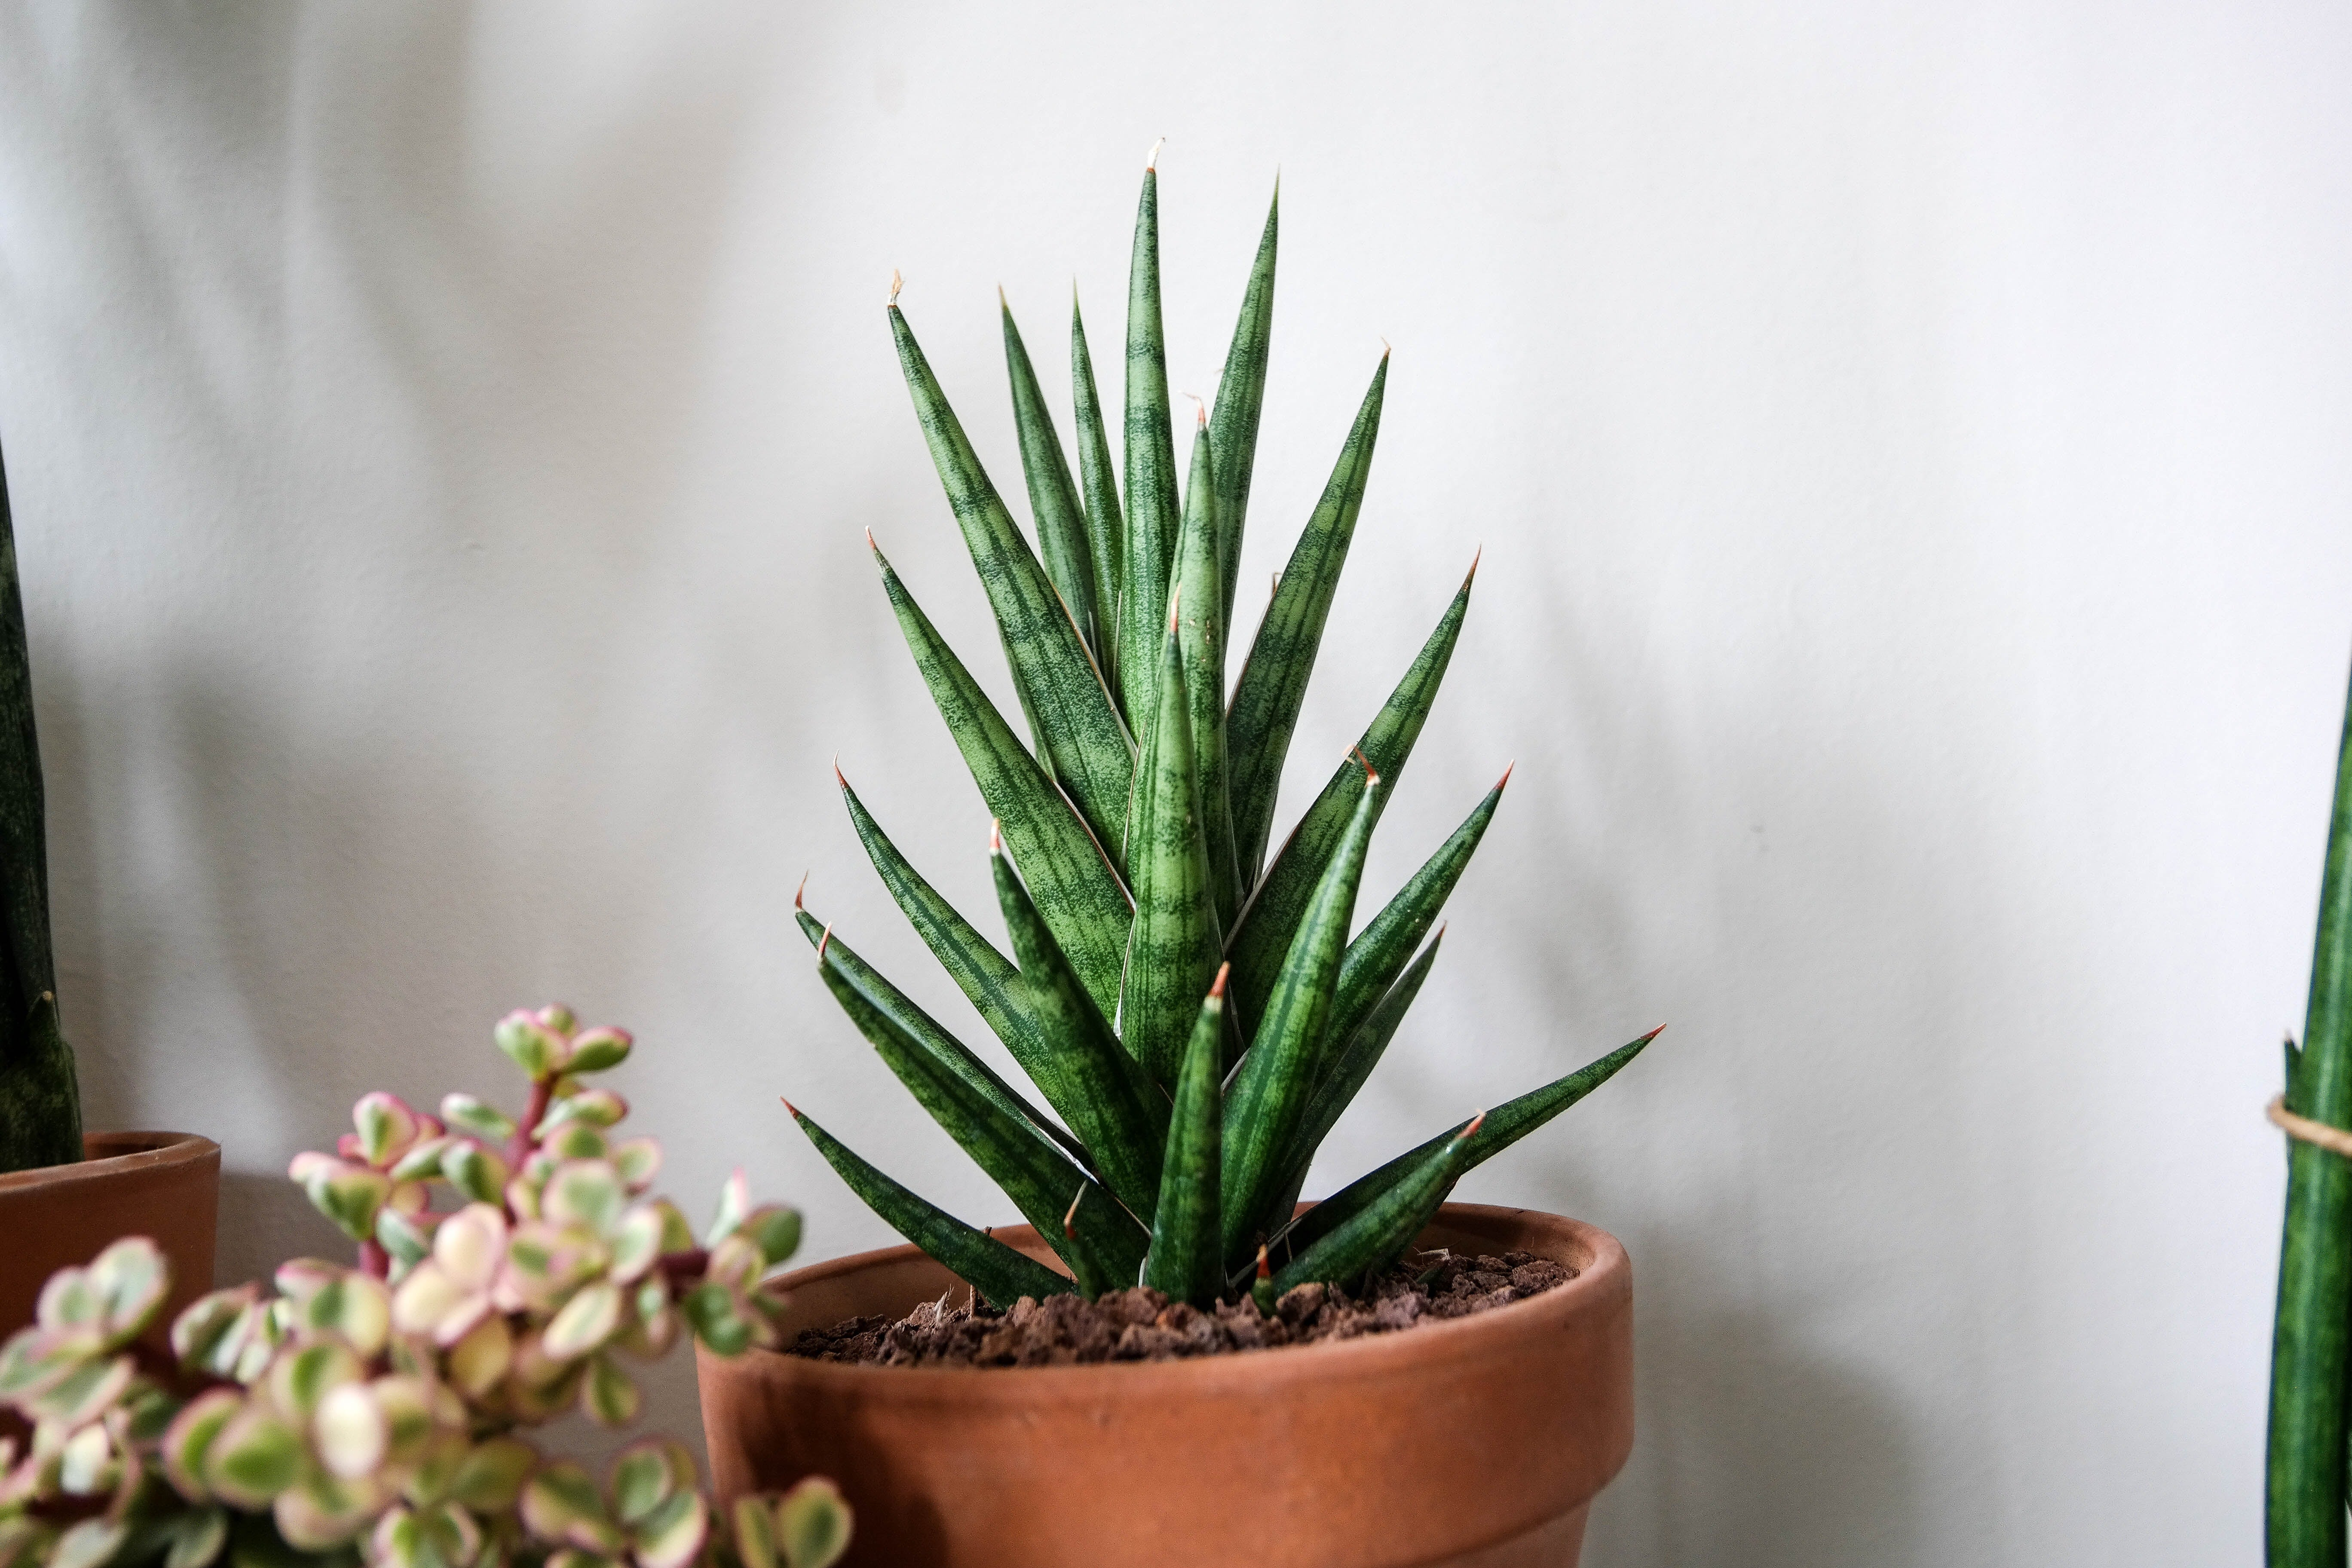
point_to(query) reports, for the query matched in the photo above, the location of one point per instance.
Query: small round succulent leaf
(349, 1431)
(585, 1193)
(356, 1306)
(577, 1140)
(674, 1533)
(710, 1311)
(585, 1321)
(531, 1045)
(640, 1480)
(596, 1050)
(147, 1410)
(88, 1544)
(322, 1512)
(775, 1229)
(479, 1360)
(86, 1465)
(639, 1161)
(299, 1278)
(491, 1476)
(470, 1245)
(677, 1235)
(477, 1116)
(387, 1127)
(37, 1359)
(350, 1195)
(398, 1542)
(407, 1237)
(560, 1507)
(755, 1533)
(421, 1162)
(558, 1017)
(200, 1331)
(131, 1276)
(189, 1439)
(255, 1457)
(598, 1107)
(636, 1244)
(610, 1396)
(197, 1537)
(71, 1299)
(474, 1170)
(736, 1263)
(83, 1395)
(457, 1540)
(814, 1523)
(302, 1376)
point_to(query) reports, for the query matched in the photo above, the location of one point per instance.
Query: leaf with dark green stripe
(1374, 1236)
(1172, 947)
(1387, 941)
(1053, 499)
(1152, 516)
(1085, 902)
(986, 976)
(1279, 902)
(1367, 1039)
(1201, 633)
(1001, 1274)
(1185, 1263)
(1506, 1125)
(1285, 1058)
(1109, 1102)
(1078, 733)
(1109, 1246)
(1273, 680)
(1105, 522)
(1241, 395)
(926, 1032)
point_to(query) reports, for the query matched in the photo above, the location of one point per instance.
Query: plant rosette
(509, 1269)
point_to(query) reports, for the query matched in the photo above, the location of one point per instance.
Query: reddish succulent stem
(374, 1259)
(684, 1267)
(519, 1150)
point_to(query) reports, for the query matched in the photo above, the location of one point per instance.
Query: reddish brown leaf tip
(1152, 159)
(1372, 775)
(1264, 1268)
(836, 771)
(799, 893)
(1006, 305)
(1385, 351)
(789, 1108)
(1217, 987)
(1070, 1220)
(995, 837)
(895, 284)
(820, 943)
(1471, 575)
(1475, 1122)
(1506, 772)
(1654, 1034)
(870, 544)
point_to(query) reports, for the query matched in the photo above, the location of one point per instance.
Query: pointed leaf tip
(895, 284)
(799, 894)
(789, 1108)
(995, 836)
(1475, 556)
(1217, 987)
(1151, 161)
(1654, 1034)
(1265, 1269)
(1507, 779)
(1070, 1219)
(821, 945)
(1472, 1131)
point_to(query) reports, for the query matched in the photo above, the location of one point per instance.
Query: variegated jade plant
(1196, 1017)
(370, 1413)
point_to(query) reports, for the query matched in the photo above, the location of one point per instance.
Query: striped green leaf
(1106, 523)
(1084, 903)
(1241, 395)
(1377, 1233)
(1387, 941)
(1173, 944)
(1001, 1274)
(925, 1031)
(1152, 516)
(1274, 678)
(1201, 633)
(1184, 1262)
(1107, 1246)
(1053, 499)
(1285, 1058)
(1506, 1125)
(1106, 1096)
(986, 976)
(1367, 1041)
(1079, 737)
(1279, 902)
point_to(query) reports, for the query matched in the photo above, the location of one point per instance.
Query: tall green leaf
(1274, 678)
(1373, 1235)
(1184, 1262)
(1106, 1096)
(1105, 522)
(1506, 1125)
(1053, 499)
(1172, 946)
(1152, 516)
(1085, 902)
(1079, 737)
(1241, 396)
(926, 1032)
(1280, 900)
(1001, 1274)
(1285, 1058)
(1107, 1246)
(2311, 1349)
(1201, 633)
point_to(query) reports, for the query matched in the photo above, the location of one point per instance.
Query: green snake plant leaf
(1107, 1246)
(1506, 1125)
(1077, 731)
(986, 976)
(1105, 522)
(1273, 678)
(2311, 1349)
(1285, 1058)
(1173, 944)
(1279, 902)
(1375, 1234)
(1105, 1094)
(943, 1047)
(1241, 397)
(1367, 1040)
(1201, 634)
(1184, 1263)
(1053, 499)
(1387, 941)
(1084, 903)
(1001, 1274)
(1152, 516)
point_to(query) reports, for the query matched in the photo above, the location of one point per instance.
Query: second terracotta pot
(1479, 1442)
(164, 1186)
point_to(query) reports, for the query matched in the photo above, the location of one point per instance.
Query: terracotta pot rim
(1604, 1273)
(150, 1150)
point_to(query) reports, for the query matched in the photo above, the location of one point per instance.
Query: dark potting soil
(1142, 1324)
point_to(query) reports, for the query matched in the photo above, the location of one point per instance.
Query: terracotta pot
(161, 1185)
(1479, 1441)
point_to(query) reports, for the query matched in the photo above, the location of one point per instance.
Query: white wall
(1909, 448)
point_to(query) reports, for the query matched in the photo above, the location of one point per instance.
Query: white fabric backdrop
(1909, 448)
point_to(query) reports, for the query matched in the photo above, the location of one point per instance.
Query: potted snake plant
(1194, 1015)
(65, 1192)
